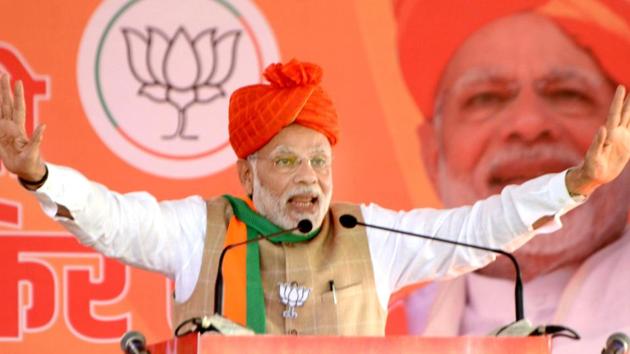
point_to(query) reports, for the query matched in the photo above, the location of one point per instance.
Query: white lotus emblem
(293, 296)
(181, 70)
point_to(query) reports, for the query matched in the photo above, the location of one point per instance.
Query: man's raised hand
(18, 153)
(609, 152)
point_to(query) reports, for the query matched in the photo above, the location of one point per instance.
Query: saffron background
(377, 160)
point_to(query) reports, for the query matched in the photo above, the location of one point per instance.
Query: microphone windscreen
(618, 339)
(305, 226)
(129, 338)
(348, 221)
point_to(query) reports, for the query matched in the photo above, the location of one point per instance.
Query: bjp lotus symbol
(293, 296)
(181, 71)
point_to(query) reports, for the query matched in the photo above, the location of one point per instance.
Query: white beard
(274, 207)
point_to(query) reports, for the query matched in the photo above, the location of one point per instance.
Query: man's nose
(305, 173)
(528, 119)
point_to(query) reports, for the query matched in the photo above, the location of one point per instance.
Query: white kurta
(168, 236)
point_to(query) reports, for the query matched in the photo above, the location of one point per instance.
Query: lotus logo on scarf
(181, 70)
(293, 296)
(155, 77)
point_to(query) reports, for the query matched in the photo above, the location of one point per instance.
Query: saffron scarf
(243, 295)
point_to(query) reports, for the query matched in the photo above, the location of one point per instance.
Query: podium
(206, 344)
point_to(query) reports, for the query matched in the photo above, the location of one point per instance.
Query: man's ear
(429, 149)
(246, 175)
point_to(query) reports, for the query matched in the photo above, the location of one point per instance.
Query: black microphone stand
(304, 226)
(349, 221)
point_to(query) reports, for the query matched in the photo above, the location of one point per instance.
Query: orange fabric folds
(294, 95)
(235, 274)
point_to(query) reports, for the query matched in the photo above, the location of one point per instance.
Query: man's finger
(6, 111)
(37, 137)
(598, 142)
(19, 105)
(1, 89)
(614, 114)
(625, 115)
(5, 87)
(595, 149)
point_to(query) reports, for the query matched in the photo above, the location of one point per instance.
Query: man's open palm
(18, 153)
(609, 153)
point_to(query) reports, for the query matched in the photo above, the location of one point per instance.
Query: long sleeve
(503, 221)
(166, 237)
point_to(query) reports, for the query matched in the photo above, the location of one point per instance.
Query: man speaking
(338, 280)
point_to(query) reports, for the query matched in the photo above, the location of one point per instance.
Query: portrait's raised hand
(609, 152)
(19, 153)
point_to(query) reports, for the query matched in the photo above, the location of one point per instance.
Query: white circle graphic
(155, 78)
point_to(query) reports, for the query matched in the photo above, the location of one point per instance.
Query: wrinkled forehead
(477, 76)
(518, 46)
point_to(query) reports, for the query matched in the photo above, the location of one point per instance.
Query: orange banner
(192, 344)
(134, 94)
(91, 77)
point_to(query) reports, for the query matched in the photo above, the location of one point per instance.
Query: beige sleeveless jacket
(336, 254)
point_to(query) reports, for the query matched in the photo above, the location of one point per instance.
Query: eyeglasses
(290, 163)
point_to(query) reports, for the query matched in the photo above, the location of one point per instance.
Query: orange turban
(429, 33)
(294, 95)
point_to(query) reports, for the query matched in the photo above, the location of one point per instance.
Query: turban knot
(293, 95)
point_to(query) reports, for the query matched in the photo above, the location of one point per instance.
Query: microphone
(133, 342)
(217, 321)
(304, 226)
(349, 221)
(617, 343)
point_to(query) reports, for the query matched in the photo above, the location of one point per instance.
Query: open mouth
(303, 202)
